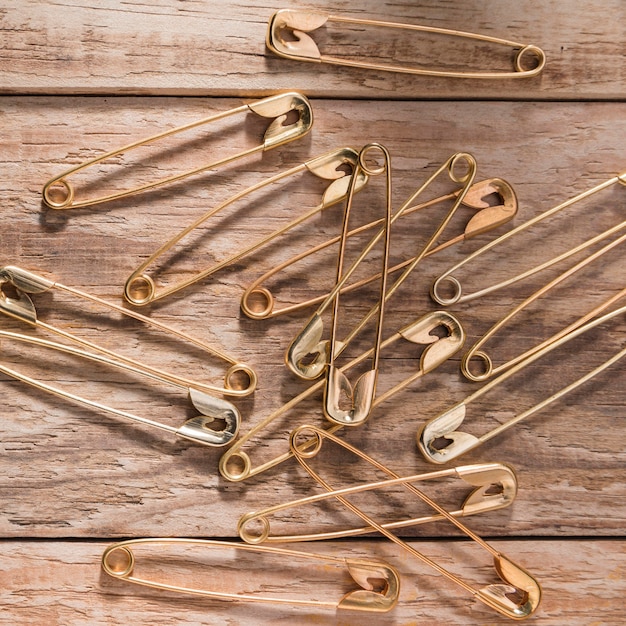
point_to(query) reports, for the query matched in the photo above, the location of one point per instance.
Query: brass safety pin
(477, 352)
(439, 439)
(197, 429)
(140, 288)
(453, 284)
(236, 465)
(516, 597)
(239, 380)
(300, 46)
(119, 561)
(59, 193)
(258, 302)
(495, 487)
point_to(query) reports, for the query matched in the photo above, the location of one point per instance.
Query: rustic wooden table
(82, 78)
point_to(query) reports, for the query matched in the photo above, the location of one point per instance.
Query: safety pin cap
(489, 217)
(496, 487)
(298, 22)
(369, 598)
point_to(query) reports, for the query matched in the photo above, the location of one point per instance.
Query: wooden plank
(218, 49)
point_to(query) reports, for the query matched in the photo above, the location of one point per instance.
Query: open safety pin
(119, 561)
(519, 594)
(59, 193)
(454, 284)
(197, 429)
(140, 288)
(477, 353)
(440, 441)
(236, 465)
(308, 342)
(296, 23)
(239, 380)
(495, 487)
(257, 302)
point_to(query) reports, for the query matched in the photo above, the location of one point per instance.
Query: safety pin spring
(239, 380)
(439, 439)
(477, 353)
(307, 342)
(59, 193)
(197, 429)
(119, 561)
(258, 302)
(452, 283)
(297, 23)
(519, 594)
(140, 288)
(495, 487)
(236, 465)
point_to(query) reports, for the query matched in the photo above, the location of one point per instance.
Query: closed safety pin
(308, 343)
(495, 487)
(440, 441)
(140, 288)
(239, 380)
(452, 283)
(296, 23)
(258, 302)
(119, 561)
(519, 594)
(236, 465)
(197, 429)
(59, 193)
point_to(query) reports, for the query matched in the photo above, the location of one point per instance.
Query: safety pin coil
(119, 561)
(59, 193)
(297, 23)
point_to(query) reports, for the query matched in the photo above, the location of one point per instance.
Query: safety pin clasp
(485, 477)
(212, 409)
(440, 441)
(368, 598)
(489, 216)
(25, 282)
(298, 22)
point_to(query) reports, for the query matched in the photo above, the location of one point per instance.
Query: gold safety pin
(301, 47)
(476, 352)
(119, 561)
(239, 380)
(258, 302)
(440, 441)
(197, 429)
(454, 284)
(495, 487)
(519, 594)
(140, 288)
(307, 343)
(235, 464)
(59, 193)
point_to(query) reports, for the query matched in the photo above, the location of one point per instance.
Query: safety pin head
(370, 598)
(360, 397)
(496, 487)
(297, 23)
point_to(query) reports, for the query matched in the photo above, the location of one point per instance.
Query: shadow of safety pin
(59, 193)
(140, 288)
(379, 583)
(287, 37)
(439, 439)
(308, 342)
(516, 597)
(258, 302)
(441, 295)
(239, 380)
(495, 487)
(236, 465)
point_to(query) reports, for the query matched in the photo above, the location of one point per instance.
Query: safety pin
(197, 429)
(119, 561)
(299, 22)
(519, 594)
(235, 464)
(307, 343)
(239, 380)
(495, 487)
(258, 301)
(454, 284)
(59, 193)
(140, 288)
(440, 441)
(475, 352)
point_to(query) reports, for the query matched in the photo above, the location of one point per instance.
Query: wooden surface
(73, 480)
